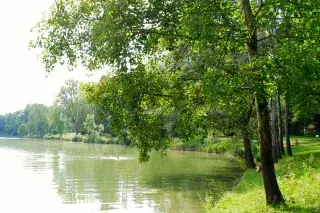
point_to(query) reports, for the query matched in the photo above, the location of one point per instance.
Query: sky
(22, 76)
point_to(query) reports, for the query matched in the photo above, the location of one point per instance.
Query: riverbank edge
(298, 178)
(222, 145)
(71, 137)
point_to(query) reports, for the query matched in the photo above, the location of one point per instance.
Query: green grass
(210, 145)
(298, 178)
(64, 137)
(307, 145)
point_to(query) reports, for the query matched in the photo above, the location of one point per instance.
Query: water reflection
(73, 177)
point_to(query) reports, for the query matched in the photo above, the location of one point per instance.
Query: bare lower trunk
(280, 125)
(288, 145)
(279, 154)
(277, 128)
(247, 149)
(273, 194)
(246, 141)
(273, 132)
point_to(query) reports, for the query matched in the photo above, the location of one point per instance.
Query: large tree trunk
(288, 145)
(273, 132)
(273, 194)
(280, 125)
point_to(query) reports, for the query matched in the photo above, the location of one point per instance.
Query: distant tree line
(70, 113)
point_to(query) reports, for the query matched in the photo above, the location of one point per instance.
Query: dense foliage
(177, 66)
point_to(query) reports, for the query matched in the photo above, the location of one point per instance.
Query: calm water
(53, 176)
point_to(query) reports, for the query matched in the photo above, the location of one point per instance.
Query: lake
(53, 176)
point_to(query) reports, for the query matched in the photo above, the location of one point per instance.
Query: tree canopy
(72, 104)
(172, 59)
(204, 46)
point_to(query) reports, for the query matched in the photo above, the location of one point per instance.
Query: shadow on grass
(286, 208)
(308, 152)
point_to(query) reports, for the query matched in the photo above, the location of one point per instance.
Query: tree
(206, 40)
(23, 130)
(246, 141)
(280, 125)
(2, 124)
(57, 125)
(102, 117)
(12, 123)
(275, 143)
(72, 105)
(234, 116)
(288, 145)
(93, 130)
(38, 124)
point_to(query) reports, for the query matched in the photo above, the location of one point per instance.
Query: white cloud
(22, 76)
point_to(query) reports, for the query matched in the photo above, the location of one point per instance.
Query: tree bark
(277, 128)
(247, 150)
(273, 194)
(273, 132)
(288, 145)
(279, 154)
(246, 141)
(280, 125)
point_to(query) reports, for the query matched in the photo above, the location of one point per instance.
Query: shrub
(52, 136)
(225, 146)
(77, 138)
(93, 139)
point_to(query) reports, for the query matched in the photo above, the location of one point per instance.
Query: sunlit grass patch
(299, 182)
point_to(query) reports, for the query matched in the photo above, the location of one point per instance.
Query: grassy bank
(233, 146)
(84, 138)
(211, 145)
(298, 178)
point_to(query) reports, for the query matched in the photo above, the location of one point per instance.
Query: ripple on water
(110, 158)
(44, 176)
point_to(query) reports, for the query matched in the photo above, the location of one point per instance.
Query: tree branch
(250, 111)
(264, 38)
(259, 9)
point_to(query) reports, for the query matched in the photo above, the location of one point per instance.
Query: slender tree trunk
(247, 149)
(273, 132)
(277, 128)
(288, 145)
(273, 194)
(280, 125)
(246, 141)
(279, 154)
